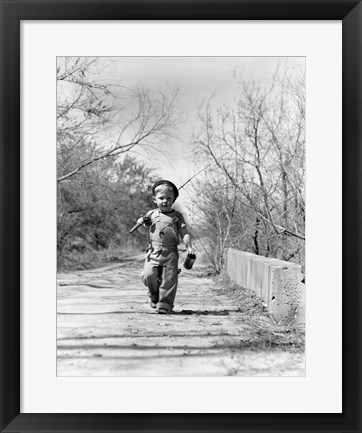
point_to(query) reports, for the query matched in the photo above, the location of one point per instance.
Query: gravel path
(105, 327)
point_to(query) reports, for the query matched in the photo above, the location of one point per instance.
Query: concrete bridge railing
(278, 283)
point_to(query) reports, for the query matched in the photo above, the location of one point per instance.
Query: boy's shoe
(162, 311)
(152, 304)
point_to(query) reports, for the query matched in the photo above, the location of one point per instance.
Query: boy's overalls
(160, 273)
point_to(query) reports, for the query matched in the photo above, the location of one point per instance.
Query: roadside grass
(89, 258)
(267, 333)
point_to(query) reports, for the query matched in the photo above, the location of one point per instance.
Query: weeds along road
(105, 327)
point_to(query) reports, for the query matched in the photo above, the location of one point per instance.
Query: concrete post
(278, 283)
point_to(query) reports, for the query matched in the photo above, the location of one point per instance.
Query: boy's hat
(165, 182)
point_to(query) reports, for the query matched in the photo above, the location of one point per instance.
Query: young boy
(165, 226)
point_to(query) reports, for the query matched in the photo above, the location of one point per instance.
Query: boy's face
(164, 199)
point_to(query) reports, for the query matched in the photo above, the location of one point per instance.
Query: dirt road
(105, 327)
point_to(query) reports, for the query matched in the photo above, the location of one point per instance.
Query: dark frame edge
(183, 423)
(9, 217)
(11, 419)
(351, 214)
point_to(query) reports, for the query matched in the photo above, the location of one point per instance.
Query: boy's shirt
(165, 227)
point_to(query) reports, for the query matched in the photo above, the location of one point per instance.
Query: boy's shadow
(201, 313)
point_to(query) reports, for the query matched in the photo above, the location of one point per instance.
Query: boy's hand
(190, 250)
(140, 220)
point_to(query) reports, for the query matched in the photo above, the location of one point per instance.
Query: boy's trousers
(160, 275)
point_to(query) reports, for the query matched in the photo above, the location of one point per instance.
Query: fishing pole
(146, 219)
(212, 162)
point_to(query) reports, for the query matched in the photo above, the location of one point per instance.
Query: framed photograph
(210, 147)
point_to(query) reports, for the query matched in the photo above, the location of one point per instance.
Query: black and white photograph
(180, 216)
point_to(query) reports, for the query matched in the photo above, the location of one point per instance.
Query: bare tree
(101, 187)
(264, 136)
(216, 227)
(98, 120)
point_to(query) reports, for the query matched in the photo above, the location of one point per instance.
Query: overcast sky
(197, 78)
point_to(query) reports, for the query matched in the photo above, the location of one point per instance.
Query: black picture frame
(12, 12)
